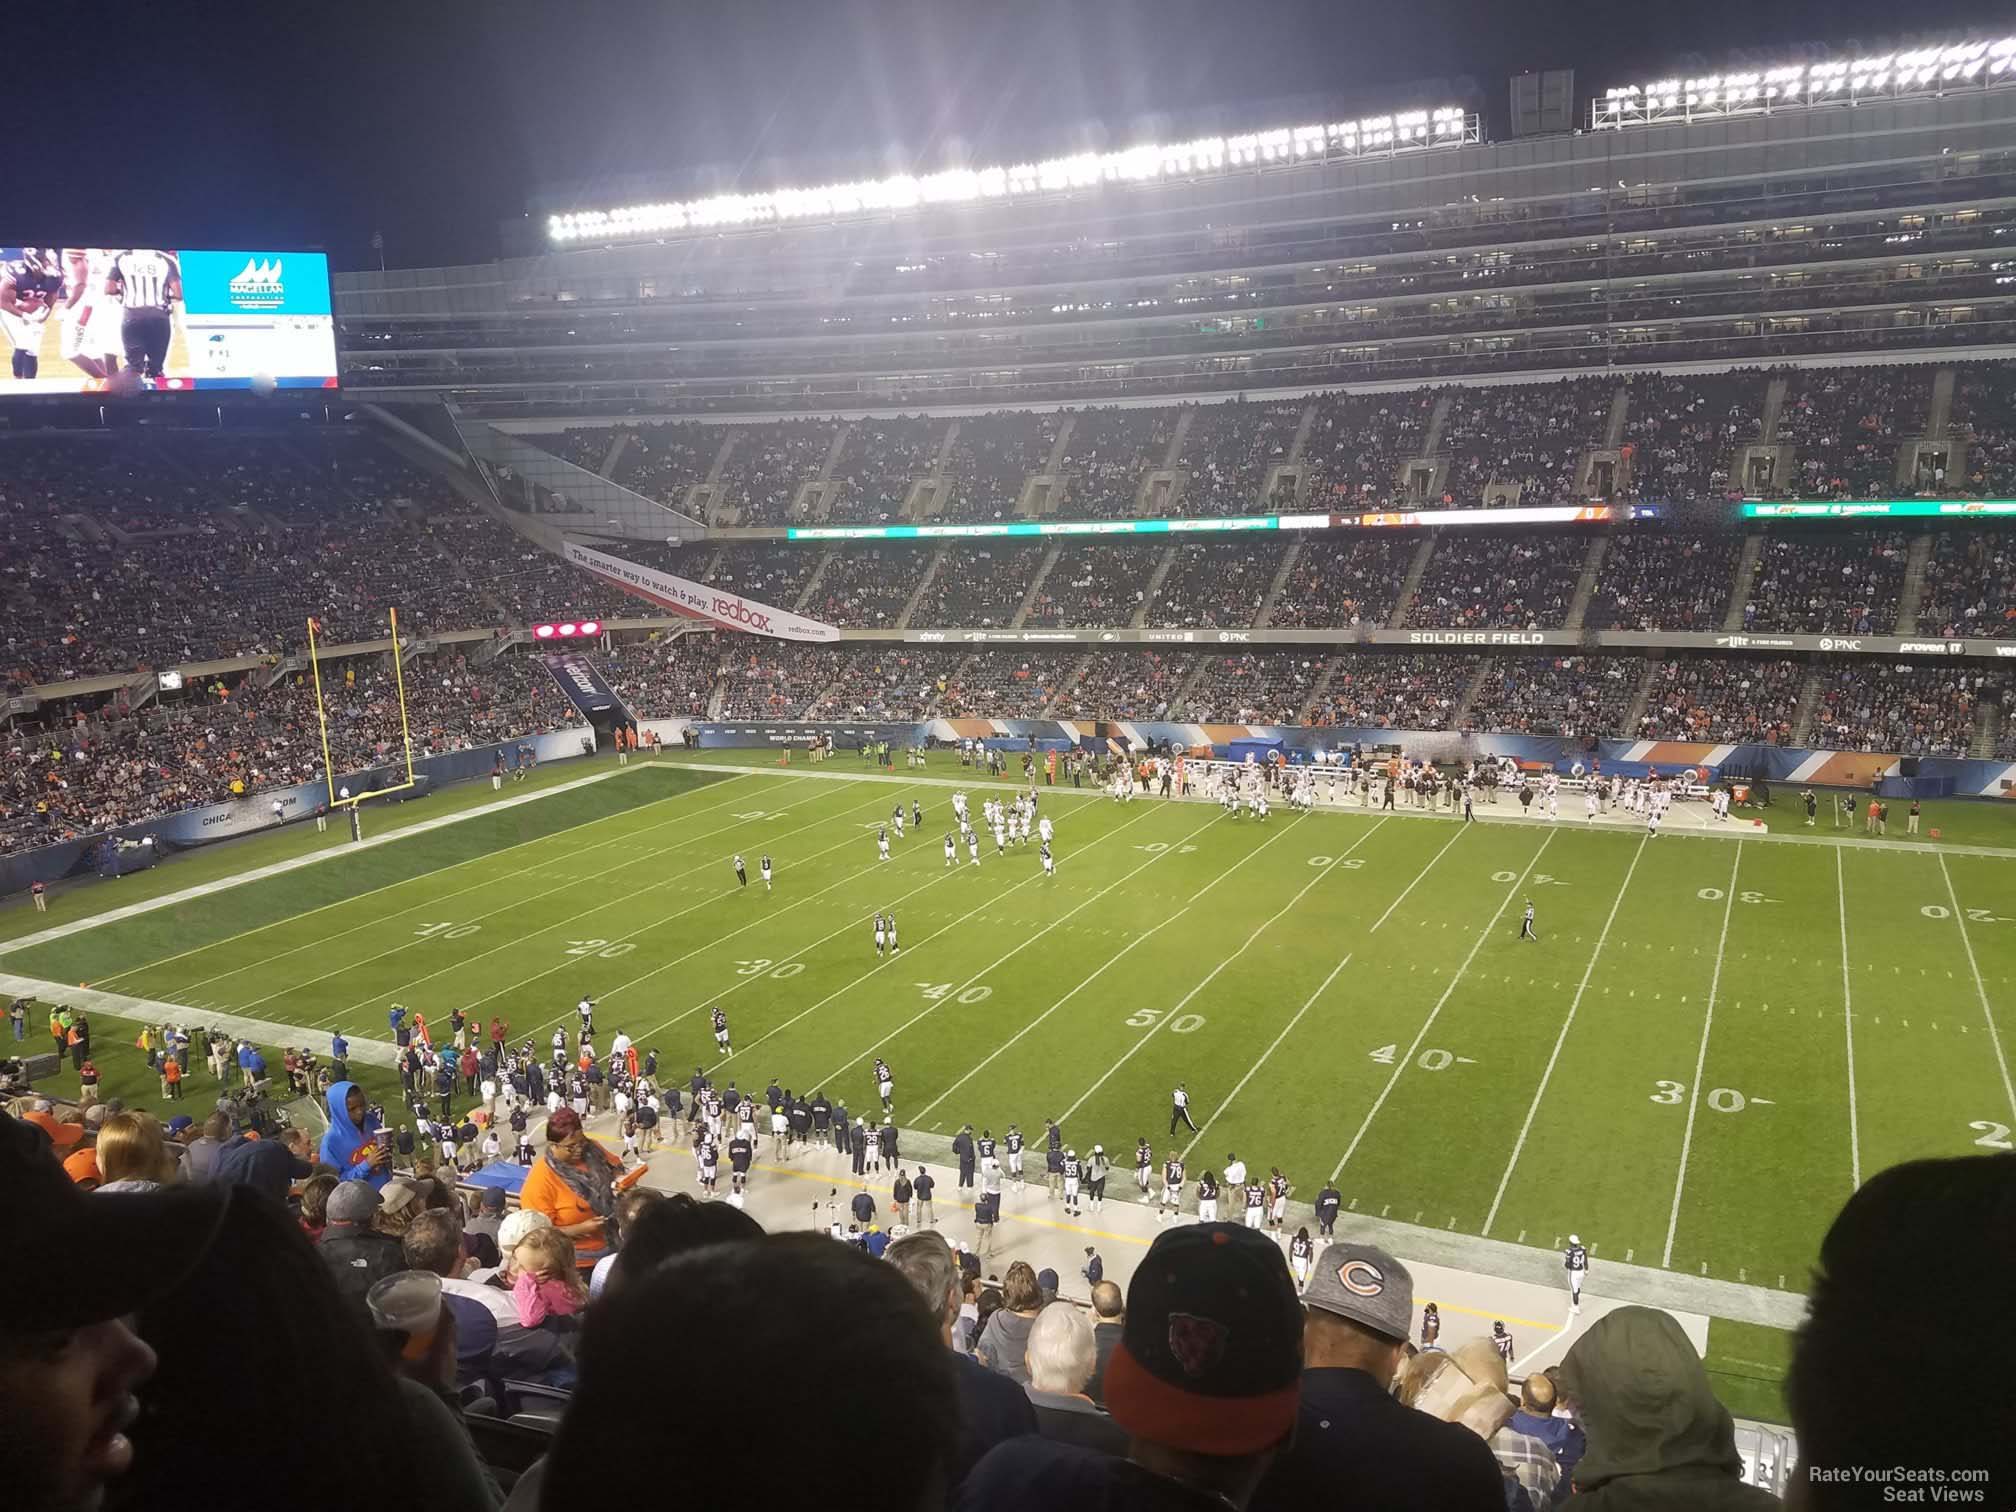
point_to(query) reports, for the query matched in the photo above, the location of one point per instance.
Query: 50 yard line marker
(1848, 1020)
(1533, 1109)
(1980, 987)
(1701, 1061)
(1210, 977)
(1428, 1023)
(1105, 966)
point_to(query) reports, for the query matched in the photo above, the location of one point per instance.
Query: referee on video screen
(148, 283)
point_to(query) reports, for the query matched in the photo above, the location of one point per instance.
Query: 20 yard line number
(1973, 915)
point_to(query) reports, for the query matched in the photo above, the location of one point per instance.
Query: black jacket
(1356, 1446)
(358, 1258)
(992, 1409)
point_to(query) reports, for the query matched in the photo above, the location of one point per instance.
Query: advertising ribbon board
(732, 611)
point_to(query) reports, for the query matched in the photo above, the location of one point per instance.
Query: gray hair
(1061, 1350)
(925, 1260)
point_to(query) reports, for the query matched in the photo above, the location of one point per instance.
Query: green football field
(1710, 1043)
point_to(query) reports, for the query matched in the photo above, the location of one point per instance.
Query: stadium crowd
(1969, 585)
(1532, 435)
(1722, 700)
(1396, 690)
(1570, 696)
(1499, 581)
(486, 1354)
(1655, 579)
(1838, 582)
(1905, 707)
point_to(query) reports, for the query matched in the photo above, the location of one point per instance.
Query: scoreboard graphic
(126, 320)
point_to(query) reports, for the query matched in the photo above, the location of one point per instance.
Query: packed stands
(1828, 582)
(1358, 444)
(1733, 700)
(662, 461)
(767, 464)
(980, 584)
(666, 678)
(1909, 708)
(1095, 583)
(1571, 696)
(1110, 451)
(1125, 685)
(881, 682)
(1223, 584)
(1499, 581)
(1346, 581)
(1004, 684)
(992, 456)
(1530, 434)
(1847, 424)
(1681, 430)
(1253, 687)
(773, 679)
(883, 457)
(1229, 451)
(866, 589)
(1984, 414)
(770, 574)
(1658, 579)
(1396, 690)
(1970, 585)
(224, 740)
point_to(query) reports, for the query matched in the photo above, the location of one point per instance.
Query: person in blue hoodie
(354, 1152)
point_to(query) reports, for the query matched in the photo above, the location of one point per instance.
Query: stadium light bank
(1374, 136)
(1845, 81)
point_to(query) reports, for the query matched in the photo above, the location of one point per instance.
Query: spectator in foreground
(825, 1307)
(1356, 1445)
(133, 1154)
(1657, 1436)
(1004, 1341)
(1109, 1321)
(268, 1166)
(203, 1149)
(357, 1252)
(346, 1148)
(1061, 1356)
(259, 1309)
(434, 1243)
(1468, 1386)
(70, 1366)
(1535, 1418)
(576, 1184)
(1204, 1382)
(1950, 1225)
(991, 1409)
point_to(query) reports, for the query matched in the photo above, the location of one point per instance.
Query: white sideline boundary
(314, 858)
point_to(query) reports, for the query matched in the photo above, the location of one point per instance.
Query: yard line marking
(409, 944)
(1848, 1024)
(1266, 1054)
(1700, 1062)
(1114, 960)
(953, 995)
(855, 923)
(389, 993)
(1574, 1003)
(1210, 977)
(1428, 1023)
(223, 884)
(1460, 833)
(319, 943)
(1980, 988)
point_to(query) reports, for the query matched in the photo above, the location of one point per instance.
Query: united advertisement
(134, 320)
(732, 611)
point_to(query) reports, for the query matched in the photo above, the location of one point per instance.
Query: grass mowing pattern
(1176, 944)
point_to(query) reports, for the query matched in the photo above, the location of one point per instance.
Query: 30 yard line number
(1721, 1099)
(764, 966)
(1716, 895)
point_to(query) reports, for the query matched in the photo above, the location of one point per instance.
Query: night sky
(200, 123)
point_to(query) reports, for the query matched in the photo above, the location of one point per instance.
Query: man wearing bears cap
(1204, 1380)
(1355, 1445)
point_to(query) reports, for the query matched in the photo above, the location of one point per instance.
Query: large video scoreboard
(123, 320)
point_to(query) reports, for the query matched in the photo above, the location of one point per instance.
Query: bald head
(1107, 1302)
(1537, 1395)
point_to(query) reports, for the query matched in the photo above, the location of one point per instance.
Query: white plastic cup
(408, 1302)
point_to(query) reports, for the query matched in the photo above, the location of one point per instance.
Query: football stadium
(1344, 784)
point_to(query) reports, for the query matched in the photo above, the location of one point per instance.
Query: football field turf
(1711, 1042)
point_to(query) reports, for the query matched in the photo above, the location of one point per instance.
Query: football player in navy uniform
(1575, 1260)
(31, 285)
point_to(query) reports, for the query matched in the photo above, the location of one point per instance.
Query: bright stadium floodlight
(1917, 71)
(1409, 131)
